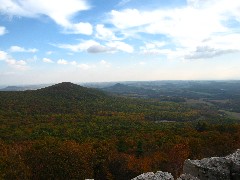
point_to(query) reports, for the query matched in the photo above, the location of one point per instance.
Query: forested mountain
(60, 98)
(71, 98)
(67, 131)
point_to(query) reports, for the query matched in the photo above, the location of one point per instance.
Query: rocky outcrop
(214, 168)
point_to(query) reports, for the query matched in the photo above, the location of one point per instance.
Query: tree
(177, 155)
(139, 151)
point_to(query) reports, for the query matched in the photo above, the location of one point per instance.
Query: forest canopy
(67, 131)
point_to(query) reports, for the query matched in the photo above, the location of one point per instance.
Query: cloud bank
(60, 12)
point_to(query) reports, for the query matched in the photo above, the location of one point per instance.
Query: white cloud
(59, 11)
(99, 49)
(104, 33)
(14, 62)
(105, 63)
(186, 27)
(151, 51)
(225, 41)
(83, 46)
(123, 2)
(3, 55)
(142, 63)
(155, 44)
(21, 49)
(33, 59)
(152, 48)
(46, 60)
(84, 66)
(92, 46)
(215, 46)
(20, 65)
(204, 52)
(49, 52)
(16, 49)
(74, 63)
(2, 30)
(62, 62)
(127, 18)
(121, 46)
(80, 28)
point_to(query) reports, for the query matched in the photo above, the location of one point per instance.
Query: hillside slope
(69, 98)
(60, 98)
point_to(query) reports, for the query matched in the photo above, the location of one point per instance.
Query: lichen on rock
(157, 176)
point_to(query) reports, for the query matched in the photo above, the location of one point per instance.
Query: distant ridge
(12, 88)
(129, 90)
(23, 88)
(118, 87)
(64, 97)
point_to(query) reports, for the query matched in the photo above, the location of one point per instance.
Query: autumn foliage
(51, 134)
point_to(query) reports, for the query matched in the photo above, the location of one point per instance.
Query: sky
(51, 41)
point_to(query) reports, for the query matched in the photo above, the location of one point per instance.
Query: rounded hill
(69, 90)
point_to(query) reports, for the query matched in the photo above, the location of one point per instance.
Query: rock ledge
(214, 168)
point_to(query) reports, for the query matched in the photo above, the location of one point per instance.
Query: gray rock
(163, 175)
(145, 176)
(215, 168)
(157, 176)
(187, 177)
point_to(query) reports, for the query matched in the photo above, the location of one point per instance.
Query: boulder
(215, 168)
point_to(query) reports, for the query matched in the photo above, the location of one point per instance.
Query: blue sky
(50, 41)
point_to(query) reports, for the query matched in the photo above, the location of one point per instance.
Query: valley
(70, 131)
